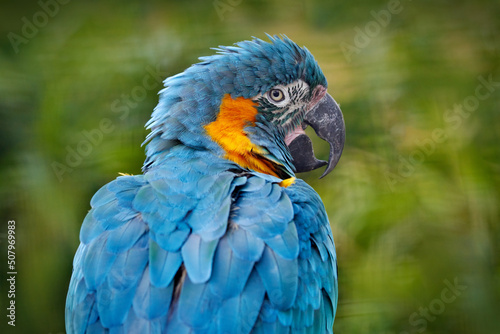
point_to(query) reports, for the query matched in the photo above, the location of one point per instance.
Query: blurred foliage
(411, 207)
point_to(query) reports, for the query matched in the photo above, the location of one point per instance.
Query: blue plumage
(201, 243)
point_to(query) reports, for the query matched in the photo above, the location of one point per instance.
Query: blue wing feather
(244, 244)
(81, 314)
(230, 273)
(218, 219)
(97, 262)
(125, 236)
(150, 301)
(246, 306)
(264, 218)
(102, 196)
(197, 305)
(286, 244)
(172, 241)
(197, 255)
(115, 295)
(91, 229)
(279, 277)
(163, 265)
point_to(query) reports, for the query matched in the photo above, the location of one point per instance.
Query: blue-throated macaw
(217, 235)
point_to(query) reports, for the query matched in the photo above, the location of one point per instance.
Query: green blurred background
(413, 203)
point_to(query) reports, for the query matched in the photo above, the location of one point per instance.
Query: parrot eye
(276, 95)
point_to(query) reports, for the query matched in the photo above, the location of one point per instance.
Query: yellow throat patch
(227, 131)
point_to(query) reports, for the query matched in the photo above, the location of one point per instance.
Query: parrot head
(250, 104)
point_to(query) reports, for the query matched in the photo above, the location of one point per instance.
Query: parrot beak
(328, 122)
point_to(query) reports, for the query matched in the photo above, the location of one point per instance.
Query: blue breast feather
(189, 248)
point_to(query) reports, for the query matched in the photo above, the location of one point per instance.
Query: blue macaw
(217, 235)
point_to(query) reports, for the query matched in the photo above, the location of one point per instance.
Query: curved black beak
(328, 122)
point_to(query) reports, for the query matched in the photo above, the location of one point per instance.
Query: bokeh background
(413, 203)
